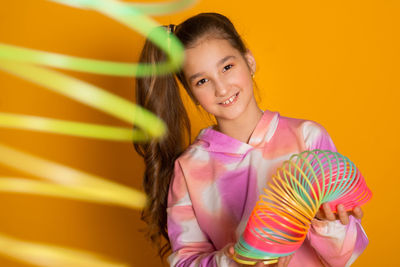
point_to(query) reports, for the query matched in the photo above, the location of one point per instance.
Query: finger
(328, 213)
(231, 250)
(319, 215)
(284, 261)
(343, 216)
(287, 260)
(358, 213)
(281, 262)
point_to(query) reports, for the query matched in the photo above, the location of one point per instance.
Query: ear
(251, 62)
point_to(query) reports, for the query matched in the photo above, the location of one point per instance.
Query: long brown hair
(160, 95)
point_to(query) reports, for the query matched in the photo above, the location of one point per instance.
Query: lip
(231, 103)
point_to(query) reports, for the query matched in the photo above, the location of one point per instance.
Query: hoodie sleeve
(336, 244)
(190, 245)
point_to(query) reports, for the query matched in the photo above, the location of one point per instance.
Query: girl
(200, 199)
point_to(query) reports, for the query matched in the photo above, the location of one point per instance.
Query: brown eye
(201, 82)
(227, 67)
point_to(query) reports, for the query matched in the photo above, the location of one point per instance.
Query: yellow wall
(335, 62)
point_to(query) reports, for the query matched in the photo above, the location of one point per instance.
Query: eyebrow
(220, 62)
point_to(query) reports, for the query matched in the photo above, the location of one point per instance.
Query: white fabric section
(211, 198)
(224, 261)
(243, 149)
(352, 259)
(272, 128)
(173, 259)
(262, 166)
(333, 229)
(237, 165)
(185, 201)
(199, 154)
(310, 133)
(191, 233)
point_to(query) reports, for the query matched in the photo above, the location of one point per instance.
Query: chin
(232, 114)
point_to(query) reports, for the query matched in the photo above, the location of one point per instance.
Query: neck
(242, 127)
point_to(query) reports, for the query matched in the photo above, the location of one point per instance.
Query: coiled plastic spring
(282, 217)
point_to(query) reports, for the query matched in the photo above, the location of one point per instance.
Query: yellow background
(335, 62)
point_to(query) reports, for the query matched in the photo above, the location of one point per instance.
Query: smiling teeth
(229, 100)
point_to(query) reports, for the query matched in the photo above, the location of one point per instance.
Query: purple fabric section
(362, 241)
(219, 142)
(242, 184)
(208, 261)
(174, 230)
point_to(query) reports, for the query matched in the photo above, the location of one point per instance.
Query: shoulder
(183, 167)
(188, 165)
(299, 123)
(316, 136)
(195, 153)
(312, 133)
(305, 126)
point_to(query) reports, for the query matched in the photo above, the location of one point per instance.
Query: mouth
(230, 100)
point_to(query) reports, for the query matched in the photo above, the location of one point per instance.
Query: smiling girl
(200, 197)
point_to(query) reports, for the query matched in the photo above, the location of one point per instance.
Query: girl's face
(220, 77)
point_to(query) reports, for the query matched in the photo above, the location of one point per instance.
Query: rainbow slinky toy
(282, 217)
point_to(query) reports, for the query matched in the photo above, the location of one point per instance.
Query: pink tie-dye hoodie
(216, 184)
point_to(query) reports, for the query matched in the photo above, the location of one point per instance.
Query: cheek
(244, 80)
(203, 96)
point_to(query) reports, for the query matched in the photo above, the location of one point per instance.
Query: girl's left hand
(342, 214)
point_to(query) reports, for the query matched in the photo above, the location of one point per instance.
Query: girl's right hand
(282, 262)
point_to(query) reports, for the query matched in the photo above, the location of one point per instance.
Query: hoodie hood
(215, 141)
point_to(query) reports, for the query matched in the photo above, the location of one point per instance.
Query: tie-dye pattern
(216, 184)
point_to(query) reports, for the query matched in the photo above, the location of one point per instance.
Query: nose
(221, 88)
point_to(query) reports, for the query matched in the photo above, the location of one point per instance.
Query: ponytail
(160, 95)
